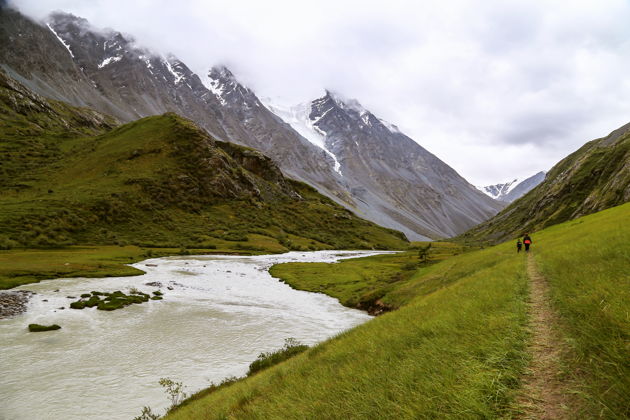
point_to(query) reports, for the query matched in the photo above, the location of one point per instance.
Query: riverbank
(368, 283)
(24, 266)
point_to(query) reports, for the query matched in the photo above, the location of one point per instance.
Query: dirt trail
(543, 393)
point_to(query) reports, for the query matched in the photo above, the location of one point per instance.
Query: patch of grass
(361, 282)
(41, 328)
(111, 301)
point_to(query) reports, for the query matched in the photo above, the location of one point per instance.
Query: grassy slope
(457, 349)
(593, 178)
(587, 262)
(135, 184)
(68, 177)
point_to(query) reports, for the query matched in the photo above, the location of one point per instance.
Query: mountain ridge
(77, 177)
(106, 71)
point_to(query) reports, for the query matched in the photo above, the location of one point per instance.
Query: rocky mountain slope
(510, 191)
(71, 176)
(593, 178)
(68, 60)
(393, 179)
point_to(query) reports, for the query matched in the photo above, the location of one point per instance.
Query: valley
(164, 230)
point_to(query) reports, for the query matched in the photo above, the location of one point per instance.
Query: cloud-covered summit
(496, 89)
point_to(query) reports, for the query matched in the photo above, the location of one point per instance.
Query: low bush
(291, 348)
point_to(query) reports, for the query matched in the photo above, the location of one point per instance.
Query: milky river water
(221, 313)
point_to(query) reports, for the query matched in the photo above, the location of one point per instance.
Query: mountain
(512, 190)
(593, 178)
(68, 60)
(392, 179)
(74, 176)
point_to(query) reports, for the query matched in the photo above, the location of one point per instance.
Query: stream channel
(217, 315)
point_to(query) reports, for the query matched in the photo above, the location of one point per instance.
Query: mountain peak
(225, 86)
(510, 191)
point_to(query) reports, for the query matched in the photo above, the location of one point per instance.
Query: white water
(222, 312)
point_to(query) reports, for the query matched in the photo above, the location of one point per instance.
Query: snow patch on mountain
(60, 40)
(298, 118)
(109, 60)
(497, 191)
(171, 69)
(216, 86)
(391, 127)
(510, 191)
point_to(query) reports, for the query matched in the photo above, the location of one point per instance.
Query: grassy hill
(594, 178)
(457, 347)
(70, 176)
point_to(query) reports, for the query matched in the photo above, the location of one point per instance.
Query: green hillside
(70, 177)
(594, 178)
(459, 347)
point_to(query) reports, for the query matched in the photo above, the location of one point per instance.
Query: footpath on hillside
(543, 394)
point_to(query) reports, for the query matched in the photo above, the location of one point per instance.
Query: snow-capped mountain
(498, 191)
(333, 144)
(391, 178)
(510, 191)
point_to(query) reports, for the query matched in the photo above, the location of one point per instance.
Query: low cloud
(497, 89)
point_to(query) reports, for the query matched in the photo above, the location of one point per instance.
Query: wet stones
(13, 302)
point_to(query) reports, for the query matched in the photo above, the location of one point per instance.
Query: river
(221, 313)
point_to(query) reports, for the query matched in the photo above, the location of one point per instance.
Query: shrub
(147, 414)
(174, 390)
(6, 243)
(291, 348)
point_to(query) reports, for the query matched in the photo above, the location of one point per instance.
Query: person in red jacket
(527, 241)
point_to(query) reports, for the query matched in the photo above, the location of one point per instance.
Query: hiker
(519, 245)
(527, 241)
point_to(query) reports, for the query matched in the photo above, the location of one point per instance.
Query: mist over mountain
(363, 163)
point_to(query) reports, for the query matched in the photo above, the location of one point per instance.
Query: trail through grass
(544, 391)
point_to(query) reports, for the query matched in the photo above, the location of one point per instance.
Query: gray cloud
(497, 89)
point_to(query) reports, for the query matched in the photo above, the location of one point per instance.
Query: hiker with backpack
(527, 241)
(519, 245)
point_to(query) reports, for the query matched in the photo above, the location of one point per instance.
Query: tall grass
(587, 262)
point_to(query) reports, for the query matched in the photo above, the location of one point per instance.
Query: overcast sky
(497, 89)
